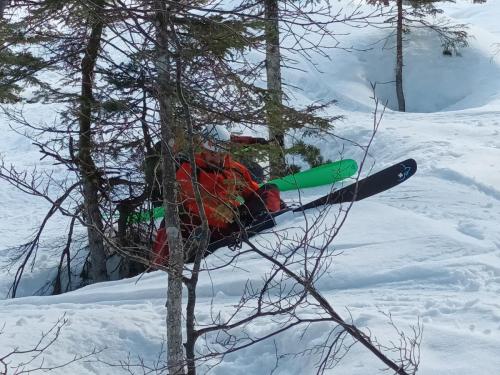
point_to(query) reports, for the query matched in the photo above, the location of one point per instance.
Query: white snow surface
(427, 251)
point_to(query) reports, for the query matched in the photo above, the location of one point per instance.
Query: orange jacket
(217, 186)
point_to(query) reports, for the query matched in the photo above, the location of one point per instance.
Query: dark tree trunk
(152, 161)
(275, 92)
(399, 58)
(88, 170)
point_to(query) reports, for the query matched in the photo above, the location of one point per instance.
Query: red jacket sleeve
(210, 202)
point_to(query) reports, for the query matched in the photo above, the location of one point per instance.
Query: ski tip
(408, 169)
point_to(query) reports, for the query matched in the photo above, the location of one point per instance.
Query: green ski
(322, 175)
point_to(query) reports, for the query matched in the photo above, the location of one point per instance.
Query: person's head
(215, 142)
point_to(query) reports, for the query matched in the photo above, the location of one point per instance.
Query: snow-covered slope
(427, 250)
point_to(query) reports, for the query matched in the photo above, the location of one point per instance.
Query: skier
(232, 200)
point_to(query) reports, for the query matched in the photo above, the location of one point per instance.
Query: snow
(428, 250)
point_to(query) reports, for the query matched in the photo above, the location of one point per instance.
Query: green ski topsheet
(318, 176)
(322, 175)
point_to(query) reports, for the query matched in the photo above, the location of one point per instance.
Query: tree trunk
(88, 170)
(275, 92)
(166, 97)
(3, 5)
(399, 58)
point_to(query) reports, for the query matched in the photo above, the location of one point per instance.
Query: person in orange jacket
(231, 198)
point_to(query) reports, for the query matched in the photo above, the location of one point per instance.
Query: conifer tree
(90, 174)
(73, 49)
(421, 13)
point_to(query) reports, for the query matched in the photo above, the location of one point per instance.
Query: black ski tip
(408, 169)
(366, 187)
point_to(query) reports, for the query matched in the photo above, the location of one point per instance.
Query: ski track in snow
(428, 250)
(451, 175)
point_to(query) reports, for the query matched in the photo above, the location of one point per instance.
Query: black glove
(261, 141)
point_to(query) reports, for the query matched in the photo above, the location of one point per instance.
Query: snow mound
(454, 82)
(432, 81)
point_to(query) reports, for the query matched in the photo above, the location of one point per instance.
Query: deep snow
(427, 250)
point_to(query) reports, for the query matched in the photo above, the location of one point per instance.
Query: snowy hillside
(427, 251)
